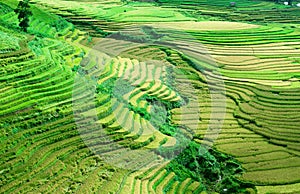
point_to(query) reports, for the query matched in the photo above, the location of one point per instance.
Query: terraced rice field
(115, 97)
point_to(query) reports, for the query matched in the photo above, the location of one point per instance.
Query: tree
(24, 12)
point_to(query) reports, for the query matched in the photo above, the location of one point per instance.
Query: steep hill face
(175, 104)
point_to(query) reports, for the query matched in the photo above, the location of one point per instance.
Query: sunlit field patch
(205, 25)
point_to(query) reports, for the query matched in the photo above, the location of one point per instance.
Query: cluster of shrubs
(215, 170)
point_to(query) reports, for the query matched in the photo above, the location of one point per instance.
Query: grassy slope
(39, 140)
(258, 111)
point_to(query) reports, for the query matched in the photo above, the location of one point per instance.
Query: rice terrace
(150, 96)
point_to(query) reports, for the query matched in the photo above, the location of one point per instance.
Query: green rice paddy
(150, 97)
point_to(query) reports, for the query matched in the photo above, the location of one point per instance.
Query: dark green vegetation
(24, 12)
(53, 142)
(214, 170)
